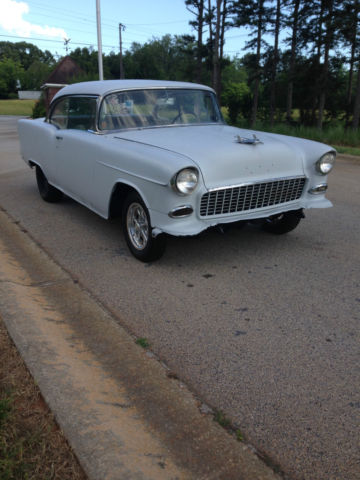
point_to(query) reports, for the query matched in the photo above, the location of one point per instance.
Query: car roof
(103, 87)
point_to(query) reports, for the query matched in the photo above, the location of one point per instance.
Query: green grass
(221, 419)
(330, 135)
(344, 141)
(5, 409)
(142, 342)
(348, 150)
(16, 107)
(11, 452)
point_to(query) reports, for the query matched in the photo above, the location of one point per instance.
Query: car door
(74, 117)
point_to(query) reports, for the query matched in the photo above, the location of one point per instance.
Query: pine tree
(197, 8)
(255, 15)
(275, 60)
(293, 23)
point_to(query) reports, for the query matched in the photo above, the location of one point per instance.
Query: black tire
(137, 230)
(47, 191)
(283, 223)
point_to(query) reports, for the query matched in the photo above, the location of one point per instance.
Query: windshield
(158, 107)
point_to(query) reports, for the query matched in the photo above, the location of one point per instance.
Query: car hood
(222, 160)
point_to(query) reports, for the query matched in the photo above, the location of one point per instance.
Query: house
(63, 73)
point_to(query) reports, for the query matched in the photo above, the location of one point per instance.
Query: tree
(356, 114)
(197, 8)
(170, 58)
(328, 7)
(293, 23)
(275, 60)
(255, 15)
(25, 53)
(35, 76)
(218, 19)
(10, 72)
(348, 29)
(87, 59)
(236, 97)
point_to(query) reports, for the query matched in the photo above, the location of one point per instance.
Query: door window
(82, 113)
(77, 113)
(59, 114)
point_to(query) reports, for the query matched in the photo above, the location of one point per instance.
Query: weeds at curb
(221, 419)
(5, 409)
(239, 436)
(142, 342)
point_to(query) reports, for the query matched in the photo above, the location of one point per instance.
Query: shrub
(236, 97)
(39, 109)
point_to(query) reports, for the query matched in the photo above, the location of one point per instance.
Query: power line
(157, 23)
(55, 41)
(113, 24)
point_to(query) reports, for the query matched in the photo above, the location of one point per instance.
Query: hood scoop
(248, 141)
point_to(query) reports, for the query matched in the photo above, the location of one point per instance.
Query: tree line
(317, 70)
(300, 63)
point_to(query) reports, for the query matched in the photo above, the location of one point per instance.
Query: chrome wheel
(137, 230)
(137, 226)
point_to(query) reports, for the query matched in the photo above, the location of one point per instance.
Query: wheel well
(120, 192)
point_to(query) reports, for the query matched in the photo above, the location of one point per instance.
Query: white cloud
(11, 20)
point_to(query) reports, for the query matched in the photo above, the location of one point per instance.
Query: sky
(46, 24)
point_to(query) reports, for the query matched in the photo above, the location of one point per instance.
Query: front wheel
(283, 223)
(47, 191)
(138, 232)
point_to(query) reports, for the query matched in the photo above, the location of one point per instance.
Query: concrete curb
(123, 416)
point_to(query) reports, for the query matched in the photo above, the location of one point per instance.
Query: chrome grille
(249, 197)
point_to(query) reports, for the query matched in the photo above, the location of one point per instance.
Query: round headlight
(325, 164)
(186, 181)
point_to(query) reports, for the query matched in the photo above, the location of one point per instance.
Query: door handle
(58, 137)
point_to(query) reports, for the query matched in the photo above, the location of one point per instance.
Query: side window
(77, 113)
(59, 114)
(82, 113)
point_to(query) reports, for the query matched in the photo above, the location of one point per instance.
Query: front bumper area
(194, 224)
(244, 202)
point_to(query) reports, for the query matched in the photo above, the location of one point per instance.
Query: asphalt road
(262, 327)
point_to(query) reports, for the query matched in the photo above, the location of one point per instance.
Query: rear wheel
(47, 191)
(283, 223)
(138, 232)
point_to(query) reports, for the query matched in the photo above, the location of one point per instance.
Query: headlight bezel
(326, 162)
(178, 181)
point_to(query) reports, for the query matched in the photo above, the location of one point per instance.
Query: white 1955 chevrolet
(160, 155)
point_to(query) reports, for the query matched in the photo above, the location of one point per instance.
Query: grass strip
(32, 447)
(17, 107)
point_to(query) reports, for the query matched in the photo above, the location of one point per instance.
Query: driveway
(264, 328)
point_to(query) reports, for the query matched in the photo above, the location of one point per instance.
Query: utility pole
(98, 22)
(121, 29)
